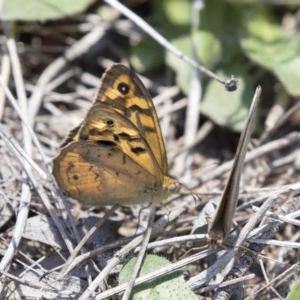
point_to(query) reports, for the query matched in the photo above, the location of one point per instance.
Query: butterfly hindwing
(104, 174)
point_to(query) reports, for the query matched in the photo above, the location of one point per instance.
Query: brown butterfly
(117, 154)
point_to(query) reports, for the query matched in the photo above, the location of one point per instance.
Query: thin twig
(161, 223)
(192, 117)
(160, 39)
(84, 240)
(111, 264)
(140, 256)
(75, 51)
(42, 195)
(248, 257)
(5, 73)
(283, 142)
(226, 283)
(25, 122)
(163, 271)
(282, 275)
(25, 188)
(198, 280)
(10, 139)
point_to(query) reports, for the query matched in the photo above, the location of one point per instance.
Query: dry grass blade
(111, 264)
(8, 138)
(223, 261)
(286, 141)
(83, 241)
(221, 223)
(54, 68)
(25, 189)
(125, 250)
(248, 257)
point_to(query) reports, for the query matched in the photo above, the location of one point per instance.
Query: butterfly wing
(122, 90)
(99, 174)
(106, 126)
(107, 159)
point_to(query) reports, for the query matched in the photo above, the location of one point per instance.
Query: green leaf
(146, 55)
(216, 41)
(210, 51)
(272, 47)
(295, 292)
(228, 109)
(179, 12)
(168, 287)
(225, 31)
(41, 10)
(218, 45)
(225, 109)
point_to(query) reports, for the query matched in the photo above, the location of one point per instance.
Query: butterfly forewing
(123, 91)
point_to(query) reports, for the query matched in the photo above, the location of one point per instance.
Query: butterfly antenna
(190, 192)
(191, 250)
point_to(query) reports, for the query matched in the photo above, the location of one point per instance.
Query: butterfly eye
(174, 188)
(123, 88)
(109, 123)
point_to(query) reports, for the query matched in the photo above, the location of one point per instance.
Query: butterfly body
(116, 155)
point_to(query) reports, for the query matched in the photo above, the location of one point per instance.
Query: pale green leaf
(228, 109)
(210, 50)
(146, 55)
(295, 292)
(41, 10)
(168, 287)
(178, 12)
(272, 47)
